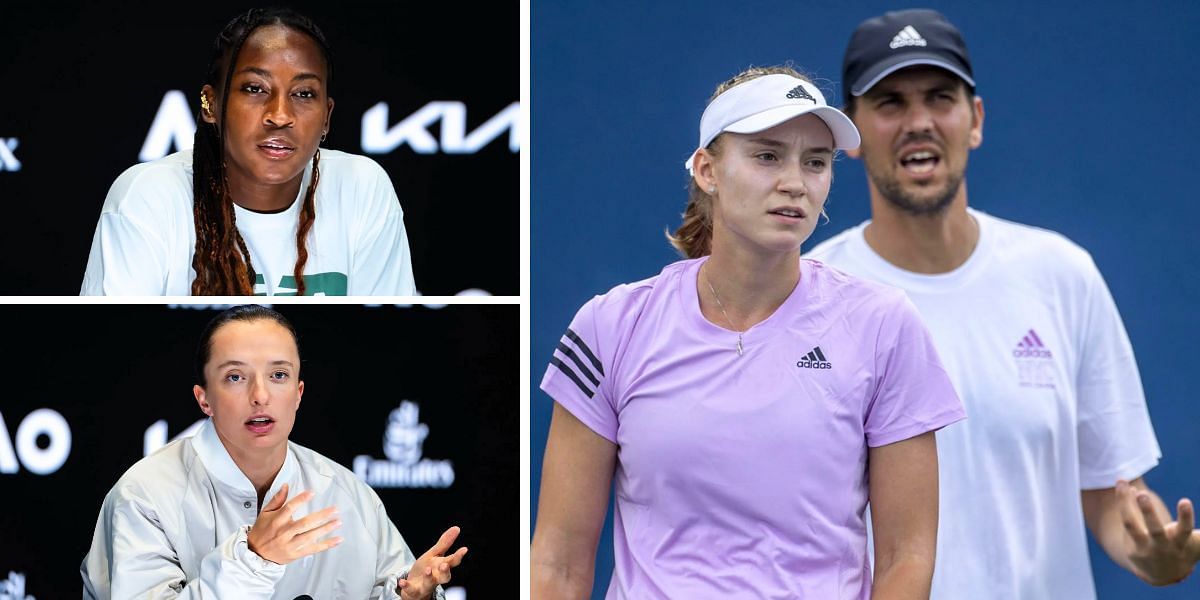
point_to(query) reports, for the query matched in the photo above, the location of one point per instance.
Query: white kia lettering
(378, 138)
(174, 128)
(156, 435)
(8, 160)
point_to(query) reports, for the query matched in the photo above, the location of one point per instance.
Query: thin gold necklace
(726, 315)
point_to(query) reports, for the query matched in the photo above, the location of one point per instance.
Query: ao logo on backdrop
(174, 127)
(39, 461)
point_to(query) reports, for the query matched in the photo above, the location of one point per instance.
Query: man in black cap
(1057, 432)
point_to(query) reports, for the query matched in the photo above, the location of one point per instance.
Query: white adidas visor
(767, 101)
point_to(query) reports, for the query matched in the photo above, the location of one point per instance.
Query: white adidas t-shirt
(1035, 347)
(357, 245)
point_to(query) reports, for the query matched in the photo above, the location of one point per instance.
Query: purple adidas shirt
(746, 475)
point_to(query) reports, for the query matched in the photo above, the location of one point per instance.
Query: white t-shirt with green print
(357, 246)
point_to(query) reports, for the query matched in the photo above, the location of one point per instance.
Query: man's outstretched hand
(1162, 550)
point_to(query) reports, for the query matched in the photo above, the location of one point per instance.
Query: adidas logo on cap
(907, 37)
(814, 360)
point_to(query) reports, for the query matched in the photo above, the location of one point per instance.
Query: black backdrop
(83, 85)
(112, 372)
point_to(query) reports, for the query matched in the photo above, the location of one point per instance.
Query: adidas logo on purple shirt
(814, 360)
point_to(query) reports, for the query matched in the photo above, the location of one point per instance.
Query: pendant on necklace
(739, 346)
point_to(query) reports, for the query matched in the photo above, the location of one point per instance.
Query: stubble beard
(922, 205)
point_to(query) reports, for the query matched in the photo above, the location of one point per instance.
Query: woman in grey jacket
(189, 521)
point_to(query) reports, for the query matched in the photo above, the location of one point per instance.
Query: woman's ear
(328, 116)
(704, 172)
(205, 407)
(208, 104)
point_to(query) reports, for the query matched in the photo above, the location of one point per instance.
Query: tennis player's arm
(903, 484)
(577, 475)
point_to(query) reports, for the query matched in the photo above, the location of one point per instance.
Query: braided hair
(221, 259)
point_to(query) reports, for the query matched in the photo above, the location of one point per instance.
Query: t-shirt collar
(888, 273)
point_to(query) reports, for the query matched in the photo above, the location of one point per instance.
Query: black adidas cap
(882, 45)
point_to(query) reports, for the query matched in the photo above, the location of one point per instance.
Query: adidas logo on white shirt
(907, 37)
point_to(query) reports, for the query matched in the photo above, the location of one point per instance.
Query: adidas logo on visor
(907, 37)
(799, 93)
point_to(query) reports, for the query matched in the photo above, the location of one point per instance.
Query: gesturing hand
(431, 568)
(1163, 551)
(278, 538)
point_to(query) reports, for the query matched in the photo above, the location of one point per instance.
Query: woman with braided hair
(256, 207)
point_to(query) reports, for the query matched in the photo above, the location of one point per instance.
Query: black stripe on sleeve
(570, 375)
(820, 355)
(587, 351)
(566, 350)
